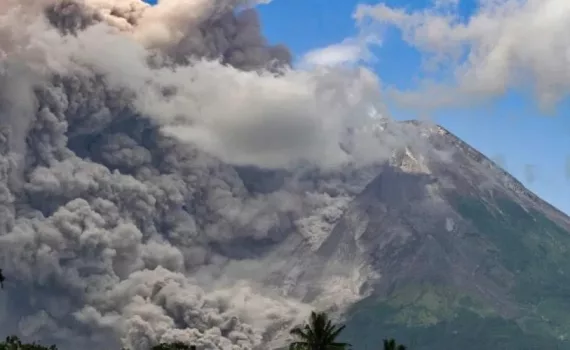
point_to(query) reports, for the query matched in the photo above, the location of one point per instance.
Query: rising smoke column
(118, 125)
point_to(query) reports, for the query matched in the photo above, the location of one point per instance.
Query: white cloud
(333, 55)
(503, 45)
(446, 3)
(348, 52)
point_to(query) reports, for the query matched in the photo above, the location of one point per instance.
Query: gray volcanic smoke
(130, 139)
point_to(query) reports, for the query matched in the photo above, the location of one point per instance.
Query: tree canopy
(319, 333)
(390, 344)
(14, 343)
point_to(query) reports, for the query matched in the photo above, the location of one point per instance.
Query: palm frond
(300, 333)
(335, 332)
(298, 346)
(338, 346)
(319, 333)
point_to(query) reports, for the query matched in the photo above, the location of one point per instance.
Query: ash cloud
(125, 132)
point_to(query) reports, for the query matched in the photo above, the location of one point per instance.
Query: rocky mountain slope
(439, 247)
(466, 257)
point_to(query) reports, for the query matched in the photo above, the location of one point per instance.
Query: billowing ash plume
(130, 141)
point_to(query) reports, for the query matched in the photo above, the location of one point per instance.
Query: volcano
(167, 175)
(465, 257)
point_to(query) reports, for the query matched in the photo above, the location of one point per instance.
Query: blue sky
(510, 126)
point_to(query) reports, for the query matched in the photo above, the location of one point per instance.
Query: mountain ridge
(481, 158)
(487, 243)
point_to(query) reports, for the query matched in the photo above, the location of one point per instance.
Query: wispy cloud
(351, 51)
(503, 45)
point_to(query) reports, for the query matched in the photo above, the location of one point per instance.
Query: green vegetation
(425, 305)
(465, 330)
(532, 248)
(390, 344)
(14, 343)
(317, 334)
(536, 251)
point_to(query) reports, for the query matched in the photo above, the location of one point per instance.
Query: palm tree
(318, 334)
(390, 344)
